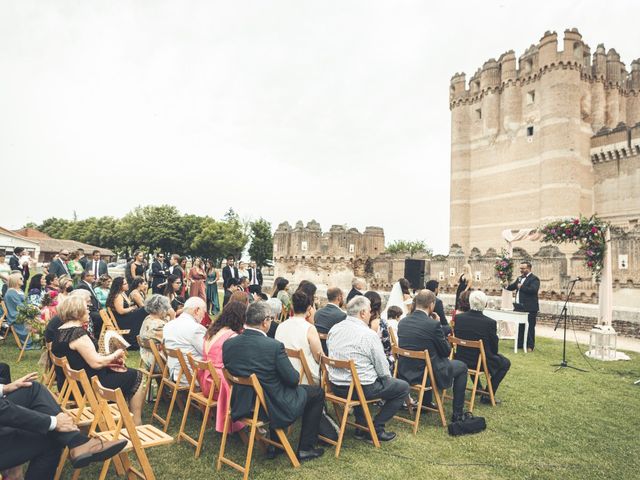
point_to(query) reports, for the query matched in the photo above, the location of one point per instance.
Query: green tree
(261, 248)
(410, 247)
(217, 239)
(151, 228)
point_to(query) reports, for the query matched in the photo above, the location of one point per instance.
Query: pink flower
(553, 231)
(568, 231)
(594, 230)
(576, 221)
(590, 263)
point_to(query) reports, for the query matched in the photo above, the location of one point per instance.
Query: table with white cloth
(509, 322)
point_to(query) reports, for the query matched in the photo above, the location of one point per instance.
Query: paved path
(624, 343)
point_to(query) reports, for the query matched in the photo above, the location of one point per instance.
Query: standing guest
(526, 287)
(12, 300)
(358, 286)
(474, 325)
(84, 261)
(286, 400)
(138, 291)
(228, 325)
(14, 260)
(255, 278)
(176, 269)
(186, 334)
(197, 277)
(136, 267)
(97, 265)
(242, 270)
(421, 331)
(49, 306)
(379, 325)
(52, 282)
(34, 429)
(213, 303)
(352, 339)
(37, 288)
(330, 314)
(102, 289)
(74, 267)
(185, 279)
(59, 266)
(394, 314)
(73, 341)
(159, 313)
(465, 282)
(281, 292)
(19, 261)
(229, 272)
(5, 271)
(232, 288)
(128, 315)
(433, 286)
(298, 333)
(158, 274)
(172, 292)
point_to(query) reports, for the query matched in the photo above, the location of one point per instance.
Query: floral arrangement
(26, 313)
(589, 233)
(37, 327)
(504, 267)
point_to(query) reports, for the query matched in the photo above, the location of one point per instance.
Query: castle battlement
(621, 142)
(537, 60)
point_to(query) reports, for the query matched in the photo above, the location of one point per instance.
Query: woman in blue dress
(213, 304)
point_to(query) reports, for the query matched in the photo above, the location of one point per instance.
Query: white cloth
(187, 335)
(396, 299)
(605, 289)
(293, 333)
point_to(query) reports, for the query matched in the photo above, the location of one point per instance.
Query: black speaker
(414, 272)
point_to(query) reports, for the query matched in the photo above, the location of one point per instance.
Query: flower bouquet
(504, 267)
(26, 313)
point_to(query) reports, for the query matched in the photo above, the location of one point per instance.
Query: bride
(400, 297)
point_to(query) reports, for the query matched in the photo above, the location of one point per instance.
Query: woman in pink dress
(197, 276)
(229, 324)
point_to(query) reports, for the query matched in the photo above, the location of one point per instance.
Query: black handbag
(468, 425)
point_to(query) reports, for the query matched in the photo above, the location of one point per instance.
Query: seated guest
(281, 292)
(232, 287)
(138, 291)
(285, 399)
(240, 296)
(229, 324)
(474, 325)
(379, 326)
(51, 282)
(309, 289)
(159, 313)
(49, 306)
(54, 323)
(186, 334)
(127, 315)
(352, 339)
(172, 292)
(102, 289)
(34, 429)
(72, 341)
(421, 331)
(330, 314)
(36, 289)
(12, 300)
(244, 285)
(276, 309)
(394, 314)
(433, 286)
(463, 301)
(65, 286)
(87, 278)
(298, 333)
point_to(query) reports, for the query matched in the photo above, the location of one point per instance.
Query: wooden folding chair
(48, 378)
(305, 371)
(253, 423)
(421, 387)
(196, 395)
(481, 369)
(21, 345)
(174, 386)
(346, 403)
(394, 343)
(149, 372)
(60, 362)
(139, 437)
(4, 326)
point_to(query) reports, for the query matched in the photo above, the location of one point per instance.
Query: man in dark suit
(229, 271)
(230, 290)
(285, 399)
(526, 287)
(358, 286)
(14, 260)
(255, 278)
(433, 286)
(174, 266)
(84, 261)
(97, 265)
(86, 282)
(59, 266)
(474, 325)
(330, 314)
(158, 274)
(420, 331)
(33, 429)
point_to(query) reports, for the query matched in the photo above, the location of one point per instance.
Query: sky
(289, 110)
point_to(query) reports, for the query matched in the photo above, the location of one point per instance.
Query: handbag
(468, 425)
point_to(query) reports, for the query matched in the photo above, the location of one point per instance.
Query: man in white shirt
(186, 334)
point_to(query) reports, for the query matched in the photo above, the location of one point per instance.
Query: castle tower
(521, 135)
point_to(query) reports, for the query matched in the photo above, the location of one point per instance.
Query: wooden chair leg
(343, 427)
(203, 427)
(438, 399)
(416, 421)
(223, 442)
(473, 392)
(23, 347)
(184, 418)
(171, 405)
(287, 448)
(247, 463)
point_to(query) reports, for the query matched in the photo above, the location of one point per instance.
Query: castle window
(530, 131)
(352, 248)
(531, 97)
(479, 114)
(275, 247)
(304, 247)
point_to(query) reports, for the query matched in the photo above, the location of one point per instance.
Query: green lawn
(567, 425)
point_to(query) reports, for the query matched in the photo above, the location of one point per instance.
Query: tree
(217, 239)
(151, 227)
(410, 247)
(261, 248)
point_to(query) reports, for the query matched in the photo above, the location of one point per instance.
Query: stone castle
(549, 135)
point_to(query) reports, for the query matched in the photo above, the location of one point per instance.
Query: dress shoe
(461, 417)
(384, 436)
(426, 405)
(360, 434)
(306, 455)
(95, 450)
(273, 452)
(529, 350)
(487, 400)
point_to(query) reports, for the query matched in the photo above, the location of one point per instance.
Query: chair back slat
(305, 371)
(184, 369)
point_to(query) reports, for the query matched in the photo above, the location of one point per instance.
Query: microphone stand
(563, 316)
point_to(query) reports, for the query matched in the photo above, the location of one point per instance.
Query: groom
(526, 287)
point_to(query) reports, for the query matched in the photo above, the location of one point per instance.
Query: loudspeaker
(414, 272)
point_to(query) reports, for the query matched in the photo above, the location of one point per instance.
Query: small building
(49, 247)
(10, 240)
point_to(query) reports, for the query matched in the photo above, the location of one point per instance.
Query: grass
(567, 425)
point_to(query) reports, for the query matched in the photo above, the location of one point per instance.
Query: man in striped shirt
(352, 339)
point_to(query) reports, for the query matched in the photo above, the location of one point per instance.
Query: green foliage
(410, 247)
(261, 248)
(217, 239)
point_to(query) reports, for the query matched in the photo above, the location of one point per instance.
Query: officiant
(526, 287)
